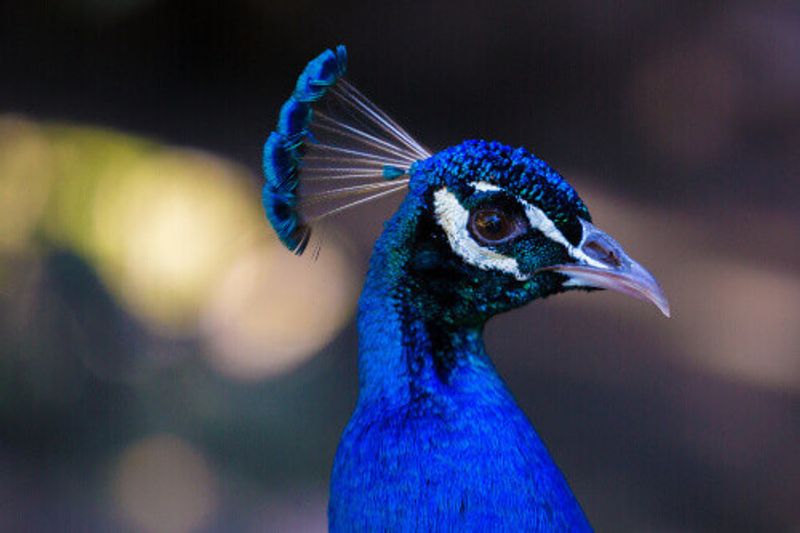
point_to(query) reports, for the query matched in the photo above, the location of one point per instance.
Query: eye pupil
(491, 225)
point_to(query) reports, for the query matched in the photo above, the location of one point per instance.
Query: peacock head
(497, 227)
(485, 227)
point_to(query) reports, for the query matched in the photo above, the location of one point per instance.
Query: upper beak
(601, 263)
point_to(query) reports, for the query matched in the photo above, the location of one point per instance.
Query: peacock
(436, 441)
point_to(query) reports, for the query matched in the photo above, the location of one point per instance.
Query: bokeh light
(744, 322)
(165, 230)
(176, 236)
(161, 484)
(25, 176)
(273, 310)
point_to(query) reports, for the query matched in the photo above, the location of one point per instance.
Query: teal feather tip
(390, 172)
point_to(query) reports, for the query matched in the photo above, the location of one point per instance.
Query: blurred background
(165, 366)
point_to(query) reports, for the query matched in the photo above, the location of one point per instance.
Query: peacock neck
(436, 443)
(406, 351)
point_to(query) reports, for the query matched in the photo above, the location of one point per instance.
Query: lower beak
(601, 263)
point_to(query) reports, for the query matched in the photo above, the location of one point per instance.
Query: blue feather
(283, 149)
(364, 147)
(294, 119)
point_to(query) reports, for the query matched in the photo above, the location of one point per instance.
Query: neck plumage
(436, 442)
(404, 351)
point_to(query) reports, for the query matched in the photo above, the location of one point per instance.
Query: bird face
(509, 229)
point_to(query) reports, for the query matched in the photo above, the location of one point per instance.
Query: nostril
(603, 253)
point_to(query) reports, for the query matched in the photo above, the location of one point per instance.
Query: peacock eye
(491, 225)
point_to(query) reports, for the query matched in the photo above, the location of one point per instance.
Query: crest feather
(331, 150)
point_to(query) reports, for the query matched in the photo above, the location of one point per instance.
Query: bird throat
(406, 349)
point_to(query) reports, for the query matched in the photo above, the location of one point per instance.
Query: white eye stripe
(454, 219)
(485, 186)
(540, 221)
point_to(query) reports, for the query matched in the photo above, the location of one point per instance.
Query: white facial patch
(485, 186)
(454, 220)
(540, 221)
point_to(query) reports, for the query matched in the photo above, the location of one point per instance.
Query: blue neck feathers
(436, 441)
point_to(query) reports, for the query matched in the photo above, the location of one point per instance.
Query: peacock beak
(601, 263)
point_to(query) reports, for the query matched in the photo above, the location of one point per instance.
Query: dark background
(121, 402)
